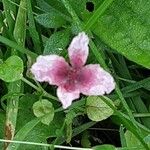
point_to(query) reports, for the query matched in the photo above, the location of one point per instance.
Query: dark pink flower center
(73, 74)
(72, 79)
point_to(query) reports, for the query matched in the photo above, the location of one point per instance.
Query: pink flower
(75, 78)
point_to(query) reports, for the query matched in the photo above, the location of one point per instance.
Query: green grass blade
(32, 28)
(77, 131)
(136, 86)
(122, 137)
(127, 123)
(16, 46)
(10, 12)
(15, 87)
(101, 9)
(22, 133)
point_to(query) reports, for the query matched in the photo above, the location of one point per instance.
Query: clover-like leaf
(44, 110)
(97, 109)
(11, 69)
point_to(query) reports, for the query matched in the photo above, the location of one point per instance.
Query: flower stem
(43, 144)
(30, 83)
(39, 89)
(141, 115)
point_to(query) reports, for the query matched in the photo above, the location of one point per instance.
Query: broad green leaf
(125, 28)
(57, 42)
(104, 147)
(97, 109)
(44, 110)
(50, 20)
(12, 69)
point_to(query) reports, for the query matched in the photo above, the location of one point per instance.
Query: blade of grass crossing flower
(78, 22)
(32, 28)
(15, 87)
(118, 91)
(93, 47)
(93, 19)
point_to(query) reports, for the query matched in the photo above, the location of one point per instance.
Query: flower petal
(50, 68)
(94, 80)
(66, 97)
(79, 50)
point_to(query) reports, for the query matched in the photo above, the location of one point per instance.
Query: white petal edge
(41, 68)
(79, 45)
(66, 98)
(103, 81)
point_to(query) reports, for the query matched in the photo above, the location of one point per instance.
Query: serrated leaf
(44, 110)
(57, 42)
(97, 109)
(50, 20)
(11, 70)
